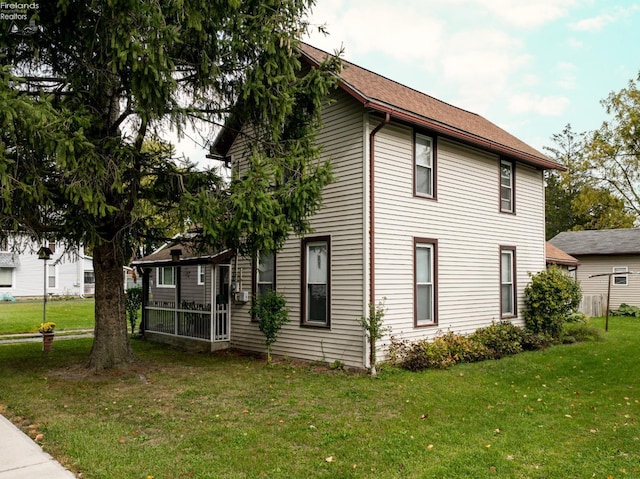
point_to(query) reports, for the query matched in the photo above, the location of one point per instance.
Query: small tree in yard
(374, 330)
(550, 299)
(272, 314)
(133, 302)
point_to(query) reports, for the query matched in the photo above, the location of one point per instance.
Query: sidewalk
(37, 337)
(21, 458)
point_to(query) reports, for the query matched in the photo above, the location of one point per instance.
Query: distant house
(599, 252)
(435, 210)
(24, 275)
(557, 257)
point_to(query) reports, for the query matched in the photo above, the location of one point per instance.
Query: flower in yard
(47, 327)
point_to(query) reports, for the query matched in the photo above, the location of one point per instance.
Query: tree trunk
(111, 347)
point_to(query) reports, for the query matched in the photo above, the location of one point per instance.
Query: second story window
(424, 166)
(506, 187)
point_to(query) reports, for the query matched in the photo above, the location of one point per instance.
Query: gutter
(463, 136)
(372, 209)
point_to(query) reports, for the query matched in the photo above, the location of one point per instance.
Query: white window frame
(426, 142)
(621, 278)
(430, 284)
(160, 277)
(12, 278)
(201, 274)
(509, 187)
(52, 284)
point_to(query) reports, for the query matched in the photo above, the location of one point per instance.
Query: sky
(529, 66)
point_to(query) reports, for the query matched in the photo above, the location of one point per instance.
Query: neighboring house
(557, 257)
(601, 252)
(434, 210)
(25, 275)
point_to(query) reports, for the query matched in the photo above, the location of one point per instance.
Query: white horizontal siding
(590, 265)
(465, 220)
(28, 276)
(341, 218)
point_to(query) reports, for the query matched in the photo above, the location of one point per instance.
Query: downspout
(372, 210)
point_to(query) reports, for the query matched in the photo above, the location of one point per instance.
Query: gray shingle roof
(598, 242)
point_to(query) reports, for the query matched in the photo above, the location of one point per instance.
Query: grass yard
(566, 412)
(25, 316)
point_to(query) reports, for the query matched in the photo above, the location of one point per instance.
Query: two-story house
(434, 209)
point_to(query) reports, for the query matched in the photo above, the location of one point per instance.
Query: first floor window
(166, 276)
(265, 273)
(620, 279)
(6, 277)
(201, 274)
(51, 277)
(425, 284)
(316, 284)
(507, 282)
(89, 277)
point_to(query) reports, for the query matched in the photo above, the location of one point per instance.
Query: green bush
(425, 354)
(535, 341)
(133, 303)
(501, 339)
(492, 342)
(550, 298)
(626, 310)
(272, 314)
(580, 332)
(464, 349)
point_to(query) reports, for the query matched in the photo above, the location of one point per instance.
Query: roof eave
(457, 134)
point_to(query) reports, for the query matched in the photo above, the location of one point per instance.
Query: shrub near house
(552, 298)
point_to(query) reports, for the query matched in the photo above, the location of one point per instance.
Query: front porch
(186, 302)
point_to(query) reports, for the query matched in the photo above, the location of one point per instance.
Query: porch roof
(188, 256)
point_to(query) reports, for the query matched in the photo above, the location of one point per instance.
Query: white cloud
(529, 14)
(407, 34)
(566, 75)
(574, 43)
(525, 103)
(601, 21)
(479, 64)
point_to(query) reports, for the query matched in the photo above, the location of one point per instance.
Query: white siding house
(434, 210)
(25, 275)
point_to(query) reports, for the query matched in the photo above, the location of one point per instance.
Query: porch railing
(190, 320)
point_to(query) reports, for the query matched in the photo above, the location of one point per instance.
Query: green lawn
(566, 412)
(25, 316)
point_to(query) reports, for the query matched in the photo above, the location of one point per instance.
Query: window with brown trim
(508, 285)
(316, 282)
(425, 273)
(264, 273)
(424, 154)
(507, 187)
